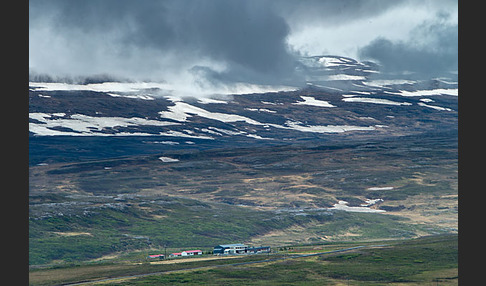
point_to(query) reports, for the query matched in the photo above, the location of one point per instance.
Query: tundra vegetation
(267, 195)
(429, 260)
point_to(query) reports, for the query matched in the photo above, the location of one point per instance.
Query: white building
(186, 253)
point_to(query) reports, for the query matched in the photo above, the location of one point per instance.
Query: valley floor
(424, 261)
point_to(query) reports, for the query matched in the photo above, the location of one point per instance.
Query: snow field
(85, 125)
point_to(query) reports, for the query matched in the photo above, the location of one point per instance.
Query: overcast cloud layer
(254, 41)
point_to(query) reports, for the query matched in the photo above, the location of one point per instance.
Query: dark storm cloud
(249, 35)
(333, 12)
(214, 40)
(106, 16)
(245, 35)
(432, 49)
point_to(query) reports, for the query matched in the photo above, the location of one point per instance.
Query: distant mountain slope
(343, 98)
(342, 95)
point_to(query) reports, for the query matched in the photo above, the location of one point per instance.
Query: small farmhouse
(191, 252)
(186, 253)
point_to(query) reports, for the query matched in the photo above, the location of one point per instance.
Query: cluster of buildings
(177, 254)
(239, 248)
(223, 249)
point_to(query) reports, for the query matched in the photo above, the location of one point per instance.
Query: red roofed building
(186, 253)
(193, 252)
(160, 256)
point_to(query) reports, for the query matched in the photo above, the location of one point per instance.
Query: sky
(213, 42)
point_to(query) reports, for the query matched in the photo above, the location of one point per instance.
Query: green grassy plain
(422, 261)
(181, 223)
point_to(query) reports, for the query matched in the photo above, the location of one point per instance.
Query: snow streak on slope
(374, 100)
(326, 129)
(309, 100)
(439, 91)
(343, 206)
(83, 125)
(434, 107)
(345, 77)
(181, 111)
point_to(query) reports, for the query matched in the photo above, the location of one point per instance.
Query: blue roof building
(236, 248)
(239, 248)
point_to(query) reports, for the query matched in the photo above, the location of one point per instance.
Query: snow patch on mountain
(211, 100)
(181, 111)
(381, 83)
(173, 133)
(138, 96)
(374, 100)
(168, 159)
(309, 100)
(81, 124)
(428, 92)
(343, 206)
(380, 188)
(359, 92)
(434, 107)
(324, 129)
(345, 77)
(370, 202)
(332, 61)
(261, 110)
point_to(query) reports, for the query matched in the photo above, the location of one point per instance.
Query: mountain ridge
(343, 106)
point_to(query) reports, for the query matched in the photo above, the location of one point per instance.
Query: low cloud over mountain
(210, 43)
